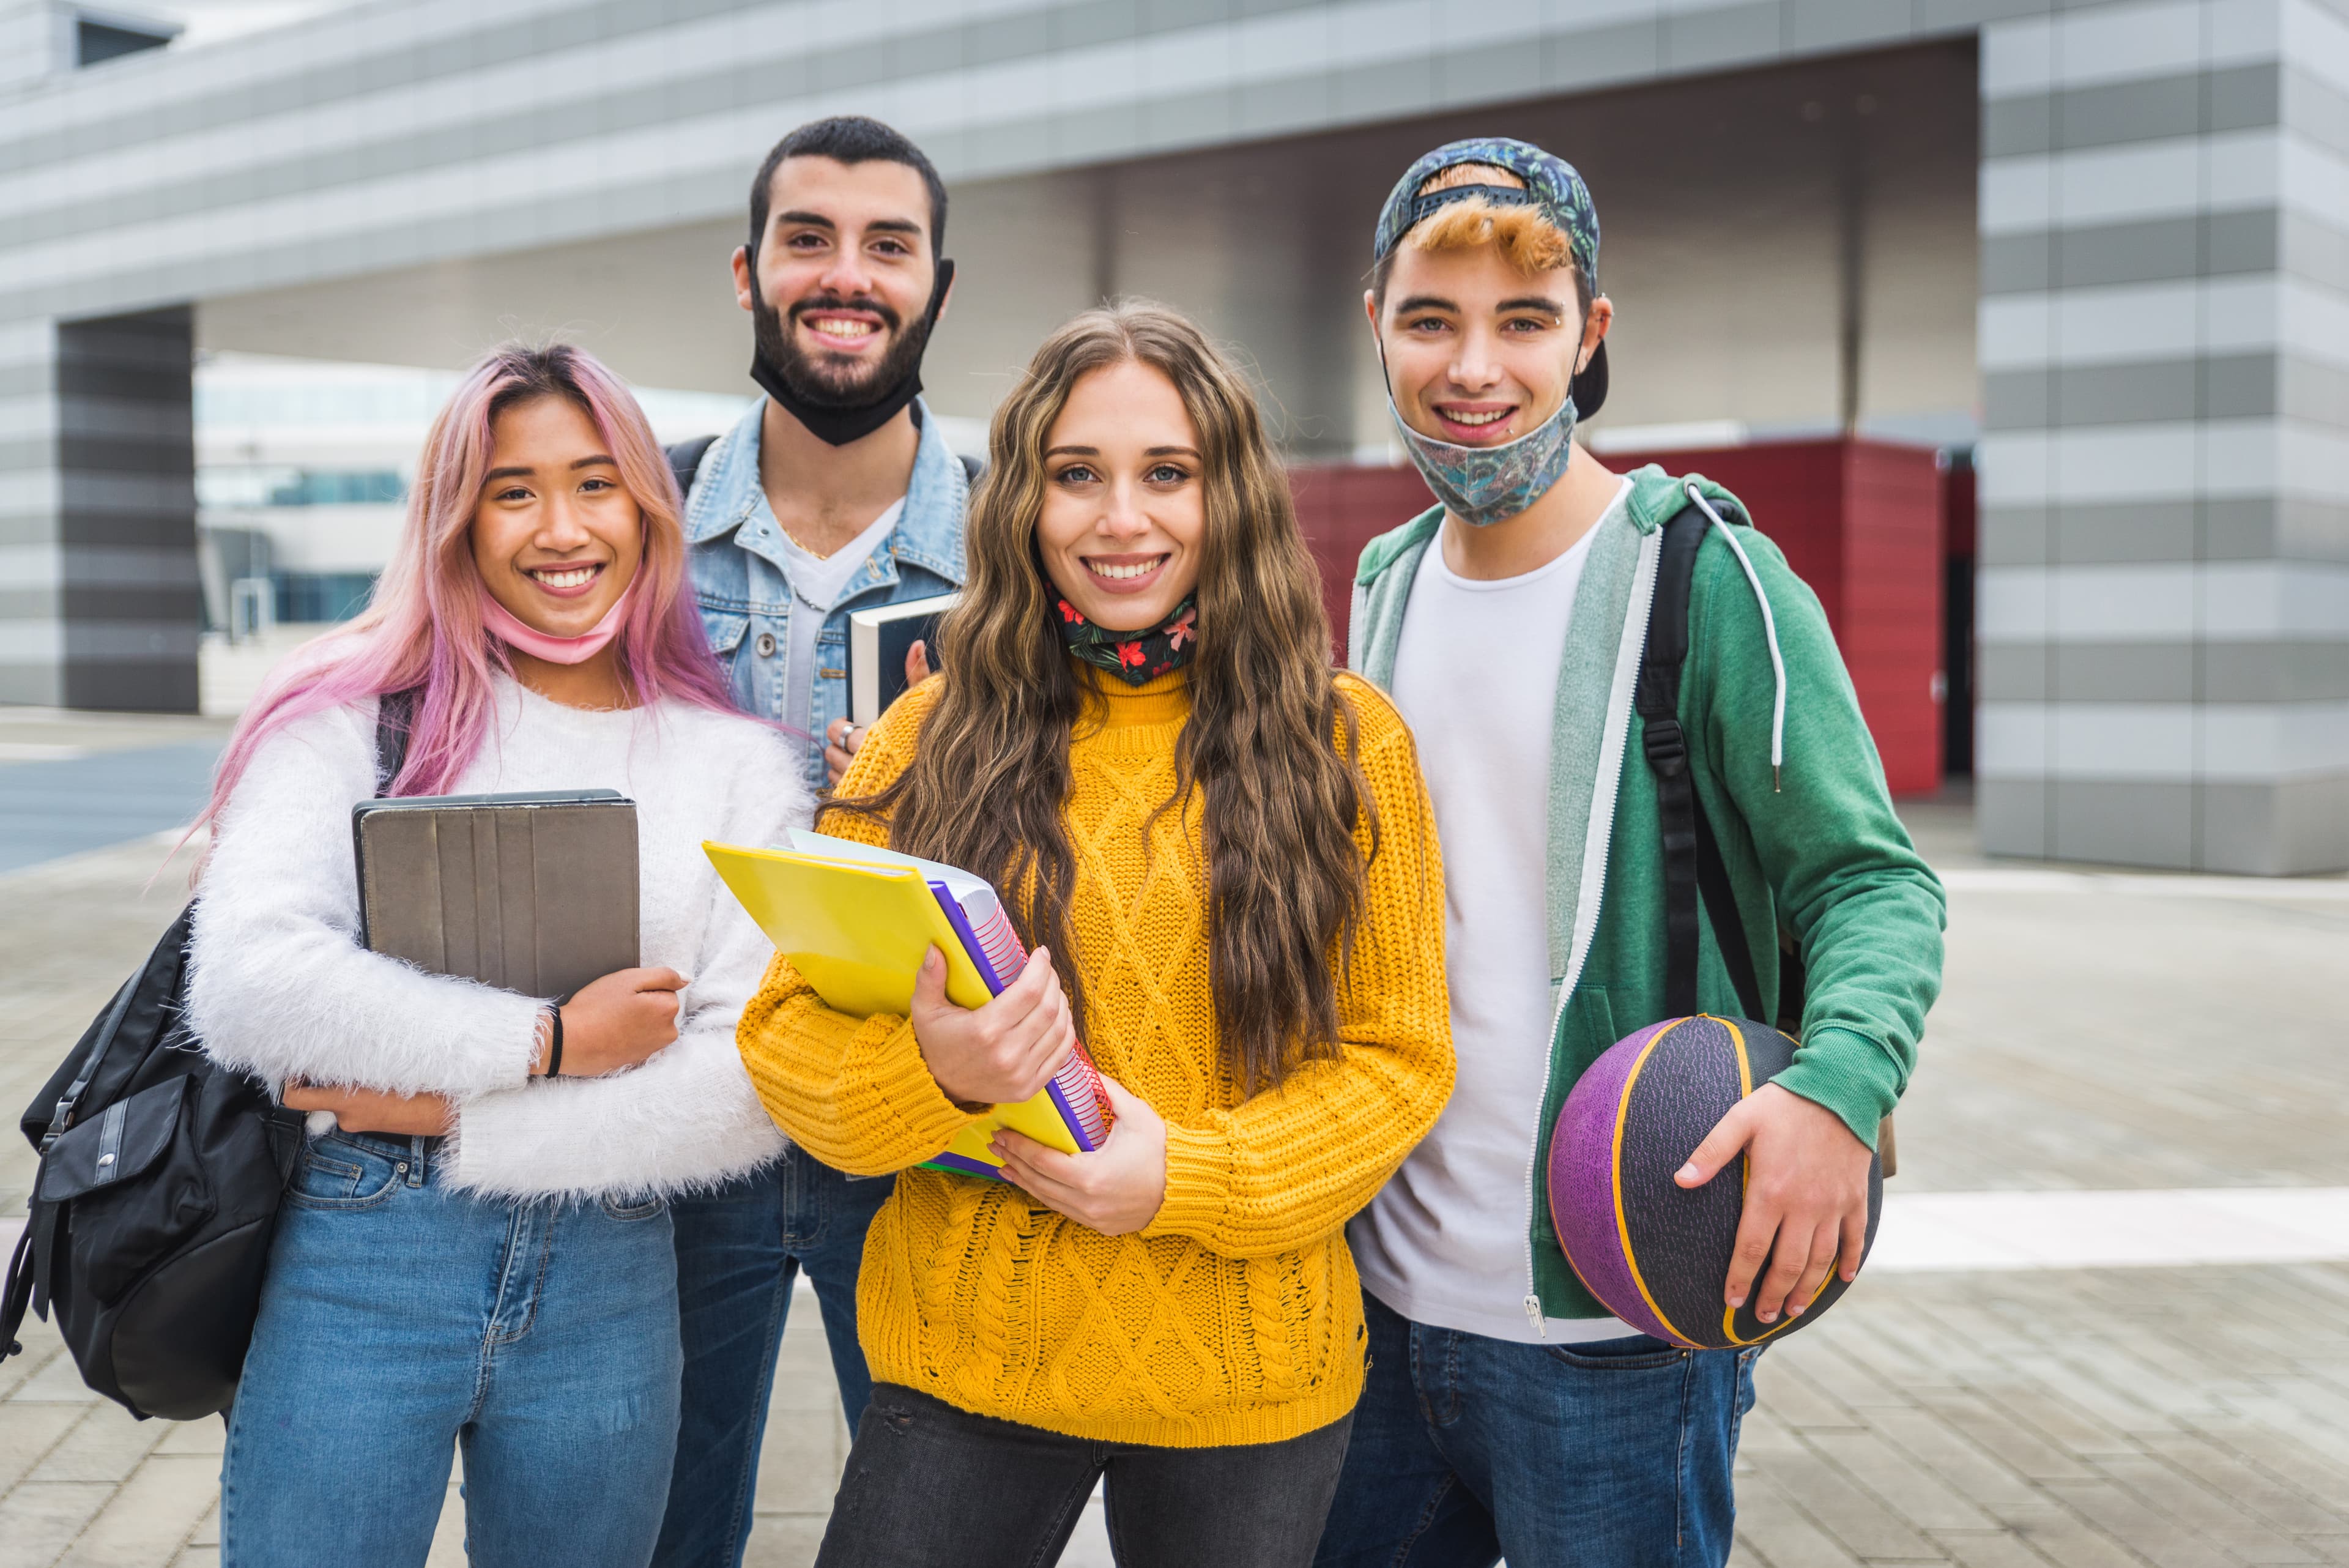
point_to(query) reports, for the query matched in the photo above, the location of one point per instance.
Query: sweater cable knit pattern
(1235, 1318)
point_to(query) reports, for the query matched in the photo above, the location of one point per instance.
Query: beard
(830, 380)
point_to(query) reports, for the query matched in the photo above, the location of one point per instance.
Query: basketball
(1654, 1253)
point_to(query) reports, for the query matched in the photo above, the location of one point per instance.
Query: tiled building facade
(2163, 331)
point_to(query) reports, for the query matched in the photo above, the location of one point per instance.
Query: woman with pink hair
(477, 1250)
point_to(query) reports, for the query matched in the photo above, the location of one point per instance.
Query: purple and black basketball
(1654, 1253)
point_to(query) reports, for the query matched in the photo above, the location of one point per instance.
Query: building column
(2163, 626)
(99, 603)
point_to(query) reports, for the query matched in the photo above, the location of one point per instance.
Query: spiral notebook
(857, 921)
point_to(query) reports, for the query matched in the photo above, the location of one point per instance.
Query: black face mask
(832, 412)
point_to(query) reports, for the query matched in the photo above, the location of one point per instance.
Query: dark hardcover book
(877, 640)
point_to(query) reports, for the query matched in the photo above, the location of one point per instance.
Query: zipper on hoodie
(1645, 611)
(1533, 1167)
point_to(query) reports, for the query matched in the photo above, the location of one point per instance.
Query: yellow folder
(857, 933)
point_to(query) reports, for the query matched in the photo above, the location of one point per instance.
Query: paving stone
(1787, 1391)
(1992, 1548)
(151, 1516)
(800, 1462)
(208, 1436)
(105, 1444)
(2055, 1417)
(2274, 1454)
(39, 1521)
(1864, 1526)
(783, 1541)
(449, 1535)
(1912, 1492)
(2126, 1520)
(1999, 1432)
(198, 1557)
(2173, 1490)
(58, 1381)
(26, 1433)
(1958, 1462)
(1773, 1532)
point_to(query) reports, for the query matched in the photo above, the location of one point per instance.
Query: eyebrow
(1532, 302)
(817, 220)
(1426, 302)
(526, 472)
(1147, 452)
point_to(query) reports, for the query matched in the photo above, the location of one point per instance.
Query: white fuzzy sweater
(281, 987)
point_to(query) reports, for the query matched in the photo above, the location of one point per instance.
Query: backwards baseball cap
(1551, 187)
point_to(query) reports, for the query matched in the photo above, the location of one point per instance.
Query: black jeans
(929, 1485)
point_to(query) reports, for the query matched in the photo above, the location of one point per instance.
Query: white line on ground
(38, 752)
(1936, 1231)
(2017, 879)
(1940, 1232)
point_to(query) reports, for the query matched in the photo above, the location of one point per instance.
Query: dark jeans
(738, 1252)
(1468, 1449)
(930, 1486)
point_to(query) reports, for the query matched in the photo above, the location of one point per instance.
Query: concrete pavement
(2095, 1038)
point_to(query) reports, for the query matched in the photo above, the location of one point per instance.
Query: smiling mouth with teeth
(564, 577)
(1491, 417)
(841, 327)
(1138, 569)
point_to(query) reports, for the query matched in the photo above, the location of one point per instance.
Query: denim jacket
(735, 548)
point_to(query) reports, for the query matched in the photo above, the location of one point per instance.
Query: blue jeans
(739, 1251)
(399, 1318)
(1468, 1449)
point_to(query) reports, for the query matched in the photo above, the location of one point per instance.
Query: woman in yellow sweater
(1223, 855)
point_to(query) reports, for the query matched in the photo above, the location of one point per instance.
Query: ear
(946, 299)
(1370, 310)
(742, 278)
(1594, 330)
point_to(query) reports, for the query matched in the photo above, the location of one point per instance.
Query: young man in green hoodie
(1508, 1413)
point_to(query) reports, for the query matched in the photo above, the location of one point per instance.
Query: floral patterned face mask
(1134, 657)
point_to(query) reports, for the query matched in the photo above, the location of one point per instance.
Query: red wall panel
(1861, 522)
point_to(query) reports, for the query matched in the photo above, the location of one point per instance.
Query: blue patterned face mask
(1481, 485)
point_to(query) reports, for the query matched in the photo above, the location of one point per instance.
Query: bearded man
(837, 492)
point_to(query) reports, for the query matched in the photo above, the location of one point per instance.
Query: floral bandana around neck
(1134, 657)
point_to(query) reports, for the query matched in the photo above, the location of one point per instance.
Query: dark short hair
(848, 138)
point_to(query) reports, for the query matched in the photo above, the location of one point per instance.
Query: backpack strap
(685, 461)
(394, 714)
(1695, 878)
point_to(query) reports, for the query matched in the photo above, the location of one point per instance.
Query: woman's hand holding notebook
(858, 922)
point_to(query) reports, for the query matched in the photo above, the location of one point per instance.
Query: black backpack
(158, 1189)
(1696, 879)
(1695, 876)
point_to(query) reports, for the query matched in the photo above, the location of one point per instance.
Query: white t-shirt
(1445, 1242)
(816, 582)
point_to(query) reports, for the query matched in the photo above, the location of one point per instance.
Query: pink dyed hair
(424, 627)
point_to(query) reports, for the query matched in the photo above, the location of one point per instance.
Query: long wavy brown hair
(1271, 739)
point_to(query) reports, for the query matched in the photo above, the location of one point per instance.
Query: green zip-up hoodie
(1822, 855)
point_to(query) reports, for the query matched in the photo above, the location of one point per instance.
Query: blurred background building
(2023, 324)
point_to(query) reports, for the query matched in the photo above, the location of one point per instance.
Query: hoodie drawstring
(1769, 629)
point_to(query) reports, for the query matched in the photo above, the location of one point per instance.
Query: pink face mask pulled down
(578, 649)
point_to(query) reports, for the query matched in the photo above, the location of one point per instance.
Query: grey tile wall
(128, 593)
(2190, 473)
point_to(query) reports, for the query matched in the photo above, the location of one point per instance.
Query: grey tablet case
(536, 893)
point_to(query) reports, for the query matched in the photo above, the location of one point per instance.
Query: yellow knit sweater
(1235, 1316)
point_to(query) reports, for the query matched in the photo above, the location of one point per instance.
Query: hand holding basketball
(1806, 1186)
